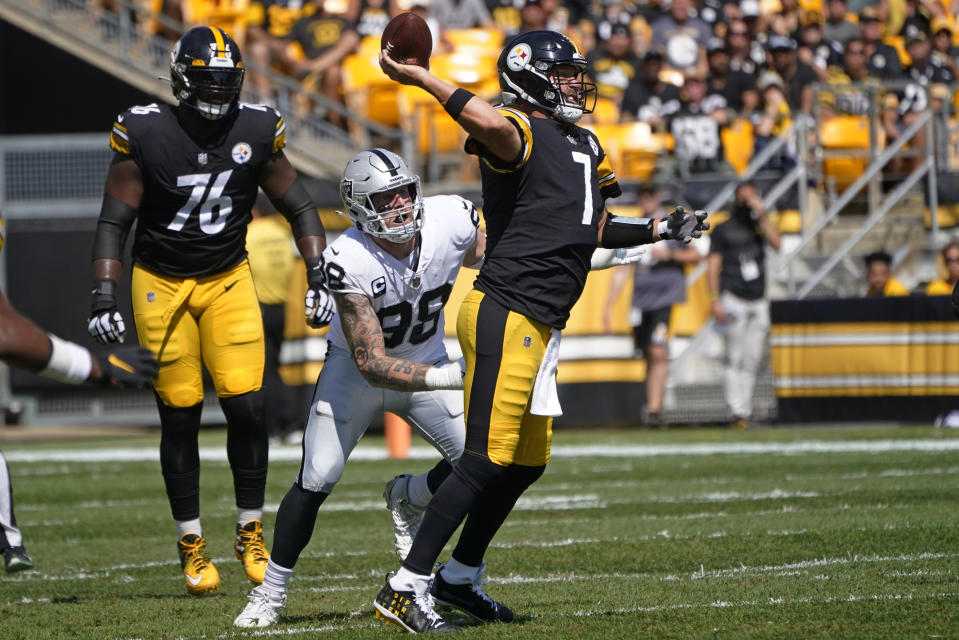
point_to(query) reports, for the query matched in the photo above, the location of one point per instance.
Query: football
(407, 40)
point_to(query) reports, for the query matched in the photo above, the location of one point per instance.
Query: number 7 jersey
(197, 193)
(407, 295)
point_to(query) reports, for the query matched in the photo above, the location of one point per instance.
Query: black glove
(319, 302)
(127, 366)
(105, 323)
(684, 226)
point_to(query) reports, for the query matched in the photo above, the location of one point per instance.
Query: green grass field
(774, 533)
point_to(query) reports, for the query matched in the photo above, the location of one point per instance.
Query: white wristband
(69, 362)
(663, 229)
(449, 376)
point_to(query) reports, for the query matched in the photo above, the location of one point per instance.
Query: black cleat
(413, 613)
(470, 599)
(16, 559)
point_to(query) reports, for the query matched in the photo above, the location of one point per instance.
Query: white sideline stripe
(862, 339)
(290, 453)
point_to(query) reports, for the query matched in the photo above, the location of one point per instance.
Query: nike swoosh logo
(227, 287)
(335, 252)
(194, 581)
(120, 364)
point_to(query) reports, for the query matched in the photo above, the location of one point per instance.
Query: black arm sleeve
(116, 218)
(620, 231)
(297, 206)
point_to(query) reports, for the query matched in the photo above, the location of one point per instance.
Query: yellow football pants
(214, 320)
(503, 351)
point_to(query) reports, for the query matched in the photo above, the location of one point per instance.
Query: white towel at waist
(545, 397)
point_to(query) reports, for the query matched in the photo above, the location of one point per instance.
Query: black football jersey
(542, 217)
(197, 194)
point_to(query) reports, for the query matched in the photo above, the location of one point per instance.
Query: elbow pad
(116, 218)
(297, 206)
(620, 232)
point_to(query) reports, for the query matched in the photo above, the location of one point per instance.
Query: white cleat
(406, 517)
(262, 610)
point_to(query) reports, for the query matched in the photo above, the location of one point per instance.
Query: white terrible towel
(545, 396)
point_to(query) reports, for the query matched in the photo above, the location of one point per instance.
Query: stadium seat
(639, 148)
(369, 46)
(438, 139)
(468, 70)
(738, 142)
(478, 40)
(229, 15)
(605, 112)
(608, 135)
(368, 91)
(845, 132)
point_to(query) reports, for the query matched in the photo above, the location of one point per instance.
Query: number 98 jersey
(197, 194)
(407, 295)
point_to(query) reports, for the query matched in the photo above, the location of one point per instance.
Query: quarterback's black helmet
(207, 71)
(527, 72)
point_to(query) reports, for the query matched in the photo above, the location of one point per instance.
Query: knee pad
(478, 472)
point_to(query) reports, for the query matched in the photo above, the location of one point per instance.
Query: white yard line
(289, 453)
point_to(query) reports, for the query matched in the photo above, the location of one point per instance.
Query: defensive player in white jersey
(390, 276)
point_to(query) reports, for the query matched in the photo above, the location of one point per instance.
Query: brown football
(407, 40)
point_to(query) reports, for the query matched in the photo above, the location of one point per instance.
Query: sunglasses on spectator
(952, 259)
(856, 52)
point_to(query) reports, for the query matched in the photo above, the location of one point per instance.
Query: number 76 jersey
(197, 193)
(407, 295)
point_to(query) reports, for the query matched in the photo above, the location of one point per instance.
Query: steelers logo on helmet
(206, 72)
(546, 70)
(519, 56)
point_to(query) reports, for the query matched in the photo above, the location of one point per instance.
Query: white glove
(605, 258)
(683, 226)
(108, 327)
(448, 376)
(319, 307)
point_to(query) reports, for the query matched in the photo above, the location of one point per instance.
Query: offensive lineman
(545, 183)
(188, 175)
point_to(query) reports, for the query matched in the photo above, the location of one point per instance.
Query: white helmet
(376, 171)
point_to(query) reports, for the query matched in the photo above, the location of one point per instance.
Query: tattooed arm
(365, 337)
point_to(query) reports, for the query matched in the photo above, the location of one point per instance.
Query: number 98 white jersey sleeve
(407, 294)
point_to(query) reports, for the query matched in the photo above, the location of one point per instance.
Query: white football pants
(344, 404)
(9, 534)
(745, 337)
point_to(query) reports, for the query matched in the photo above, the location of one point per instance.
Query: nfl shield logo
(527, 341)
(201, 159)
(151, 297)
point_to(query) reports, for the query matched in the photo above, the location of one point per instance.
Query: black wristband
(620, 232)
(455, 103)
(316, 272)
(105, 287)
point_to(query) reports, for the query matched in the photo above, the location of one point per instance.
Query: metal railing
(116, 42)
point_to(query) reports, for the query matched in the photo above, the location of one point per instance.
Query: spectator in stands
(738, 87)
(271, 251)
(316, 46)
(695, 128)
(737, 287)
(950, 260)
(611, 13)
(852, 84)
(681, 20)
(461, 14)
(648, 97)
(816, 51)
(926, 69)
(658, 283)
(613, 65)
(269, 24)
(537, 15)
(773, 120)
(919, 15)
(879, 276)
(942, 47)
(370, 17)
(881, 58)
(787, 20)
(797, 76)
(837, 27)
(505, 15)
(740, 47)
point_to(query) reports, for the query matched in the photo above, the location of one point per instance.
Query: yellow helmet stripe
(218, 35)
